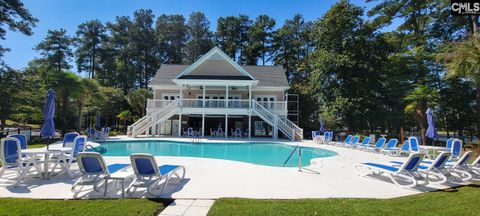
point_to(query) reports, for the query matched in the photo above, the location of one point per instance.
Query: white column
(275, 128)
(250, 96)
(226, 96)
(249, 124)
(181, 95)
(226, 126)
(204, 89)
(180, 125)
(203, 125)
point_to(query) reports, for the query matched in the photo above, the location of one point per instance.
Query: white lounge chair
(95, 171)
(436, 168)
(149, 174)
(13, 160)
(407, 172)
(69, 138)
(378, 145)
(65, 160)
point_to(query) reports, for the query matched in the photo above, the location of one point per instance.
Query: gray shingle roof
(267, 76)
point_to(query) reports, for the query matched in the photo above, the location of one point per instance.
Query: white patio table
(433, 149)
(47, 153)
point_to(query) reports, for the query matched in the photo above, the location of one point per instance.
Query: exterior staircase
(287, 127)
(151, 119)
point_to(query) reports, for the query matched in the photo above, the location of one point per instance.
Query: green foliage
(138, 100)
(200, 37)
(89, 38)
(10, 86)
(56, 49)
(172, 35)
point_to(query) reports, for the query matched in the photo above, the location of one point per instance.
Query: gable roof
(267, 76)
(214, 54)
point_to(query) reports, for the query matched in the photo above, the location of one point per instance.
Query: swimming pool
(263, 153)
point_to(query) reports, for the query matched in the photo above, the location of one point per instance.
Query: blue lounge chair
(346, 141)
(407, 172)
(414, 145)
(461, 168)
(95, 171)
(22, 138)
(315, 135)
(149, 174)
(354, 142)
(13, 160)
(328, 137)
(378, 145)
(456, 149)
(475, 166)
(436, 168)
(68, 139)
(397, 151)
(65, 160)
(365, 142)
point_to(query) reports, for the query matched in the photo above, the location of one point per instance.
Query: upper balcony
(278, 107)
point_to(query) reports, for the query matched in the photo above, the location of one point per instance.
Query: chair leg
(106, 186)
(2, 170)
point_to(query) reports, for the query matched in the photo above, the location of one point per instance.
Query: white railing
(143, 124)
(158, 104)
(286, 126)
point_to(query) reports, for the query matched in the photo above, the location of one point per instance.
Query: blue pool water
(263, 153)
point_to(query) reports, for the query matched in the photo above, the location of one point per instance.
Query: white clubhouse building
(217, 97)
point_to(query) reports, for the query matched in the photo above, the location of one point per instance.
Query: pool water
(263, 153)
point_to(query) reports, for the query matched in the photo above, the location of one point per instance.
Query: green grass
(97, 207)
(461, 201)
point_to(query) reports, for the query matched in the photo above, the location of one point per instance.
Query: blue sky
(68, 14)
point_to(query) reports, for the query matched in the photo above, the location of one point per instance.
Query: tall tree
(463, 60)
(138, 100)
(10, 85)
(199, 36)
(144, 46)
(90, 36)
(56, 49)
(65, 84)
(243, 37)
(17, 18)
(419, 100)
(120, 40)
(227, 35)
(172, 35)
(260, 37)
(289, 46)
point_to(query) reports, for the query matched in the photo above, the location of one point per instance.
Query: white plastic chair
(13, 160)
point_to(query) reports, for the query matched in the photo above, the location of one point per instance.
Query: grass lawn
(97, 207)
(461, 201)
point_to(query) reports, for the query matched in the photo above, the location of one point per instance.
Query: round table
(46, 153)
(433, 149)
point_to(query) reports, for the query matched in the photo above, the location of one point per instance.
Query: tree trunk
(80, 117)
(421, 125)
(477, 109)
(475, 25)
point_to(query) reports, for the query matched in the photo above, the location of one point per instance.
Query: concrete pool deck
(214, 178)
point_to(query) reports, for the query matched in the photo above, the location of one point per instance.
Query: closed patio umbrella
(431, 132)
(48, 128)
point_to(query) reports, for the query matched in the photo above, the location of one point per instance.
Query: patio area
(213, 178)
